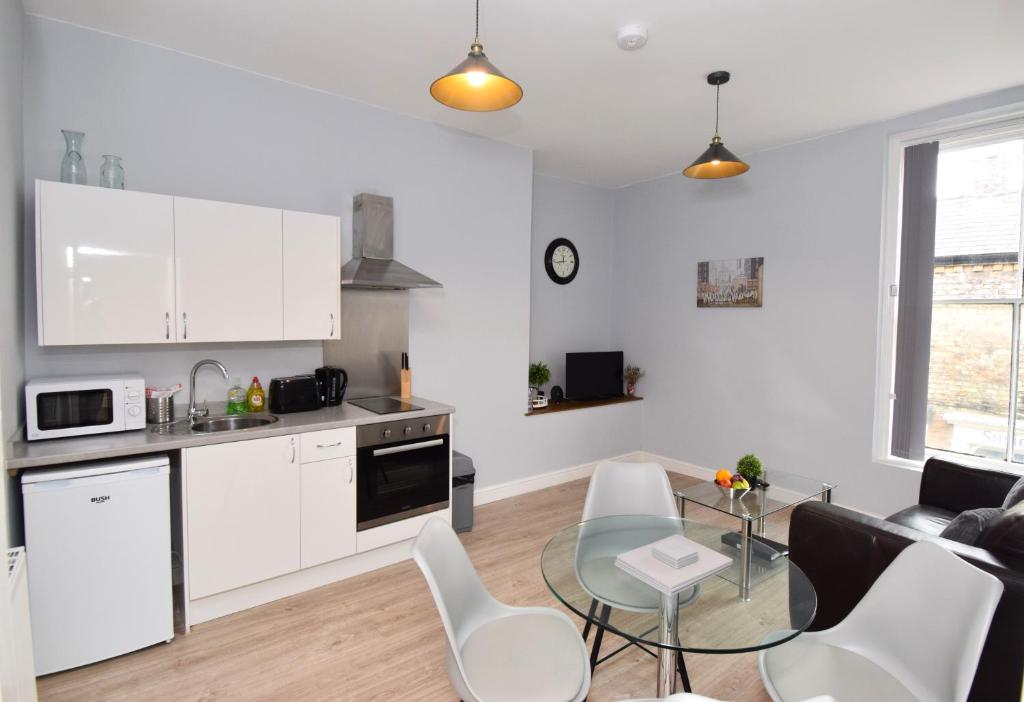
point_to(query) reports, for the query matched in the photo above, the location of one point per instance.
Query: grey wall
(577, 316)
(463, 216)
(11, 186)
(793, 381)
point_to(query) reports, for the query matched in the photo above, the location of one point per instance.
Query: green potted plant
(751, 468)
(539, 375)
(632, 374)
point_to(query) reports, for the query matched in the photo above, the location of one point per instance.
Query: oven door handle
(407, 447)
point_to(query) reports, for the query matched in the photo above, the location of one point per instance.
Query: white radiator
(17, 582)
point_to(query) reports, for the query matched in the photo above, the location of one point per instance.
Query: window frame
(993, 125)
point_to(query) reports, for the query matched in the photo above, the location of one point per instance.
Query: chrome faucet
(193, 413)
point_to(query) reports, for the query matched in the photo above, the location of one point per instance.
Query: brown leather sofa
(843, 552)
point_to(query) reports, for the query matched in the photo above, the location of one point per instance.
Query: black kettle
(331, 383)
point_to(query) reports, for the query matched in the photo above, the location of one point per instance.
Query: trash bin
(463, 478)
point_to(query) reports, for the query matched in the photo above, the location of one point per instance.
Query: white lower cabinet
(328, 510)
(255, 510)
(243, 505)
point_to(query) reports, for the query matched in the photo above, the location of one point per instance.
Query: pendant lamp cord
(718, 91)
(477, 39)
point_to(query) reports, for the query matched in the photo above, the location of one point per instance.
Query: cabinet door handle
(336, 443)
(332, 325)
(184, 322)
(351, 472)
(293, 450)
(167, 325)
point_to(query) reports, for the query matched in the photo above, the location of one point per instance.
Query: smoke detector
(632, 37)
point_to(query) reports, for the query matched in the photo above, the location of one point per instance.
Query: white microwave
(62, 407)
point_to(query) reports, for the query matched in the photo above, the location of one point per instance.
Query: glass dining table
(578, 565)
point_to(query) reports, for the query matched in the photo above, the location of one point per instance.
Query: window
(976, 309)
(971, 402)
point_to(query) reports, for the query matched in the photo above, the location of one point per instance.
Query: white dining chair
(625, 489)
(618, 488)
(690, 697)
(498, 653)
(916, 635)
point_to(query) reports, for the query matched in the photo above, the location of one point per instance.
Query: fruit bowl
(732, 493)
(733, 486)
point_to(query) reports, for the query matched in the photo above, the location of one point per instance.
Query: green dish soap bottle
(238, 402)
(256, 399)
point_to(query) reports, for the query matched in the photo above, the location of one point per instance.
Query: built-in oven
(403, 469)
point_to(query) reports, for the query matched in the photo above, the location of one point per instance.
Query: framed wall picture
(733, 282)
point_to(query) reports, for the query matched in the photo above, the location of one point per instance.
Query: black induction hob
(384, 405)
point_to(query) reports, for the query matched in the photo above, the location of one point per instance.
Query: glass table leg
(668, 618)
(826, 494)
(745, 554)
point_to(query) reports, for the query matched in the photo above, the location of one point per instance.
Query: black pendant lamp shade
(476, 85)
(717, 161)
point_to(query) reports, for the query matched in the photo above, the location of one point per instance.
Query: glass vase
(72, 168)
(112, 172)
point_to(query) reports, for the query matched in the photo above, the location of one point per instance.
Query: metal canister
(159, 410)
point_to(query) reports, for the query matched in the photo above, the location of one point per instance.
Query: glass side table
(784, 490)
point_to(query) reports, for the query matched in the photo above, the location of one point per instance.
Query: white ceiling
(592, 112)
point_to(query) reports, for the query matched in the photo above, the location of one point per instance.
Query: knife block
(406, 383)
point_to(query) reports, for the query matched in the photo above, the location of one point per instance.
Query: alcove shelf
(568, 405)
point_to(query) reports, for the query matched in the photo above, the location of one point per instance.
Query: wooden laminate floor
(378, 637)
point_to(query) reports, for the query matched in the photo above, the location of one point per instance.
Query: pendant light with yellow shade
(476, 85)
(717, 161)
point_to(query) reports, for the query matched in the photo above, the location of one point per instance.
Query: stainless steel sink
(209, 425)
(230, 423)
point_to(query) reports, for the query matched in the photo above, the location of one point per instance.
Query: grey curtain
(914, 313)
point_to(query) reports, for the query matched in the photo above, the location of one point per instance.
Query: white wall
(11, 342)
(11, 285)
(793, 381)
(577, 316)
(190, 127)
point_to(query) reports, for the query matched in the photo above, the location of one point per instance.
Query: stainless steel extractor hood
(373, 245)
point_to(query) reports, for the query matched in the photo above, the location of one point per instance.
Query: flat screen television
(594, 375)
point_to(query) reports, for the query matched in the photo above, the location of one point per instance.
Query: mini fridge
(98, 542)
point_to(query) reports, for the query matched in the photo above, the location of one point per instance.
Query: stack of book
(672, 564)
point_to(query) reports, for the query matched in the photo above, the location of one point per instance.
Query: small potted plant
(632, 374)
(539, 375)
(751, 468)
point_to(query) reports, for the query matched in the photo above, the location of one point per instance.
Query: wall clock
(562, 261)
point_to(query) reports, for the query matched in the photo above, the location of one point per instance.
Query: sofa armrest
(957, 488)
(843, 552)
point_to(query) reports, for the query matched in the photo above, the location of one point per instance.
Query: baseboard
(512, 488)
(224, 603)
(674, 466)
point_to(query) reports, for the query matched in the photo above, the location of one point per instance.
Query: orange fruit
(723, 474)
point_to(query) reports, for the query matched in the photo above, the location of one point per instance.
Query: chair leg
(606, 611)
(681, 665)
(590, 617)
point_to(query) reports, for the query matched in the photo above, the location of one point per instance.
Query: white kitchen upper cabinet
(242, 507)
(228, 271)
(328, 510)
(312, 276)
(104, 265)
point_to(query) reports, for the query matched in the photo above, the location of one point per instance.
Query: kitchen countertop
(24, 454)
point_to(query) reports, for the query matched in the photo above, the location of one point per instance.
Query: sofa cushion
(930, 520)
(1015, 495)
(1004, 535)
(967, 526)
